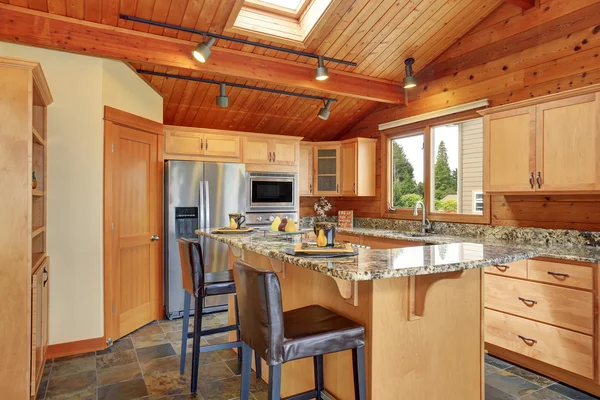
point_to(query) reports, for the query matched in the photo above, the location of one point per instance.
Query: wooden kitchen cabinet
(305, 173)
(285, 152)
(262, 150)
(549, 144)
(24, 98)
(221, 145)
(509, 143)
(257, 150)
(39, 321)
(541, 314)
(358, 170)
(192, 143)
(327, 169)
(568, 144)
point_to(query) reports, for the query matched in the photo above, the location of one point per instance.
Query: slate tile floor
(145, 365)
(504, 381)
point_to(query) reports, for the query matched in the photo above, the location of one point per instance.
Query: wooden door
(222, 146)
(349, 169)
(305, 174)
(285, 152)
(183, 143)
(257, 151)
(327, 170)
(132, 227)
(509, 140)
(568, 144)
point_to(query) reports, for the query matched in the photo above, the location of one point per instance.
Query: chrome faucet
(425, 224)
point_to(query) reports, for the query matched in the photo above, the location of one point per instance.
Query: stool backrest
(261, 314)
(192, 266)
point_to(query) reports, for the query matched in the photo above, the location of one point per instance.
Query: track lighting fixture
(322, 71)
(409, 81)
(233, 39)
(202, 50)
(325, 111)
(222, 99)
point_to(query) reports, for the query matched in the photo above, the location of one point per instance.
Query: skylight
(284, 21)
(289, 4)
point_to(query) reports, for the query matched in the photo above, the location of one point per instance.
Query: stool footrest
(220, 346)
(207, 332)
(311, 394)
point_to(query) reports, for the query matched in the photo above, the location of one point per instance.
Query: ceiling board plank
(524, 4)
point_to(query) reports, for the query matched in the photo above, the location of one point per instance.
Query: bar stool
(199, 284)
(279, 337)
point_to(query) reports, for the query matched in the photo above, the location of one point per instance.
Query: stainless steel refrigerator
(198, 195)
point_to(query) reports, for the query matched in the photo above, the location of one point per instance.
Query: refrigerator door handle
(207, 205)
(201, 206)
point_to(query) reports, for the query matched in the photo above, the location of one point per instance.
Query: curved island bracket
(417, 291)
(348, 290)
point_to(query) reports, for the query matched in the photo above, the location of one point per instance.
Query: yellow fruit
(290, 226)
(321, 239)
(275, 224)
(232, 224)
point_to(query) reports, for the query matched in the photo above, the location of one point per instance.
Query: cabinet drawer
(517, 269)
(559, 347)
(577, 276)
(567, 308)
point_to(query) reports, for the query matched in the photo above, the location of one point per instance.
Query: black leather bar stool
(279, 337)
(199, 284)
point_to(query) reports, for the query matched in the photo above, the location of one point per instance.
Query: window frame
(425, 127)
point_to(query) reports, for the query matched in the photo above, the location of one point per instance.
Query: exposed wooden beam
(29, 27)
(524, 4)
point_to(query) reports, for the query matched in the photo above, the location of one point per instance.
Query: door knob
(154, 238)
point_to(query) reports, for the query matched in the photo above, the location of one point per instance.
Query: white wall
(125, 90)
(80, 86)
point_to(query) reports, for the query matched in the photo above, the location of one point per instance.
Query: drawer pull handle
(529, 302)
(502, 268)
(558, 274)
(527, 340)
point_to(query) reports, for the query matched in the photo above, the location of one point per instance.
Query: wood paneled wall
(510, 56)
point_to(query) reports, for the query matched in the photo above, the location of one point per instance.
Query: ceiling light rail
(223, 100)
(234, 39)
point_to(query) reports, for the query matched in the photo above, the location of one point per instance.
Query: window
(442, 166)
(289, 22)
(407, 170)
(477, 202)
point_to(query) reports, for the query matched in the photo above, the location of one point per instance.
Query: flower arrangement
(322, 206)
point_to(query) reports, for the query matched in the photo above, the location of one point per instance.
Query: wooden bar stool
(279, 337)
(199, 284)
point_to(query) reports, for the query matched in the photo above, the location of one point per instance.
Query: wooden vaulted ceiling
(378, 35)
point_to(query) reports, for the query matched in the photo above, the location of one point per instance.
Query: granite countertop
(563, 252)
(370, 264)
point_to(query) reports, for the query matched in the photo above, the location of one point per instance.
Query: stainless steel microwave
(271, 192)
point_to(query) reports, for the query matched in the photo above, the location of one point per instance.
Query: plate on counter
(234, 231)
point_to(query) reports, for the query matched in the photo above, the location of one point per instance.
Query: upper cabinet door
(257, 150)
(284, 152)
(327, 170)
(221, 145)
(349, 170)
(305, 173)
(510, 150)
(568, 151)
(183, 143)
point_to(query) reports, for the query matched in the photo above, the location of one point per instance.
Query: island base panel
(439, 356)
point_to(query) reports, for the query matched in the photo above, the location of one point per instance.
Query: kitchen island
(421, 307)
